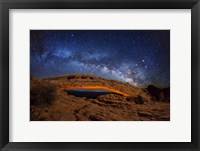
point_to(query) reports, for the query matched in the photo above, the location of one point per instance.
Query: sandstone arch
(71, 81)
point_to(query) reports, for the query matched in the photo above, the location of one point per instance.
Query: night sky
(139, 57)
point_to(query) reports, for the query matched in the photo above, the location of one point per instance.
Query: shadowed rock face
(125, 102)
(161, 95)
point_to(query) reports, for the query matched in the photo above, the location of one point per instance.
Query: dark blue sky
(140, 57)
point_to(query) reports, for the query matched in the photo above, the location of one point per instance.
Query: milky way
(139, 57)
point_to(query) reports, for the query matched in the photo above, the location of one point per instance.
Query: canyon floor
(51, 102)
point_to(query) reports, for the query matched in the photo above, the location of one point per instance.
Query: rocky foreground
(51, 103)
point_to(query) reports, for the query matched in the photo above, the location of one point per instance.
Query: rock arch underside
(93, 82)
(127, 103)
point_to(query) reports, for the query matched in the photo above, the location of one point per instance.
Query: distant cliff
(158, 94)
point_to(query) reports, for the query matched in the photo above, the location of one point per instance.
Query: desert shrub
(83, 77)
(42, 92)
(137, 99)
(71, 77)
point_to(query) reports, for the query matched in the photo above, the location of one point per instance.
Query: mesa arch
(65, 87)
(72, 81)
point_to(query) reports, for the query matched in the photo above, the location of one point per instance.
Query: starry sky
(139, 57)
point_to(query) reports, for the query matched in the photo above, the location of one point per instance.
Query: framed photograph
(99, 75)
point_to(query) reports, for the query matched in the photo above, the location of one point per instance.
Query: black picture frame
(5, 5)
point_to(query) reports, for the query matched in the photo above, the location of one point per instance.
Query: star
(123, 55)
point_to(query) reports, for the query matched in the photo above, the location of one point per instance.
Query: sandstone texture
(50, 102)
